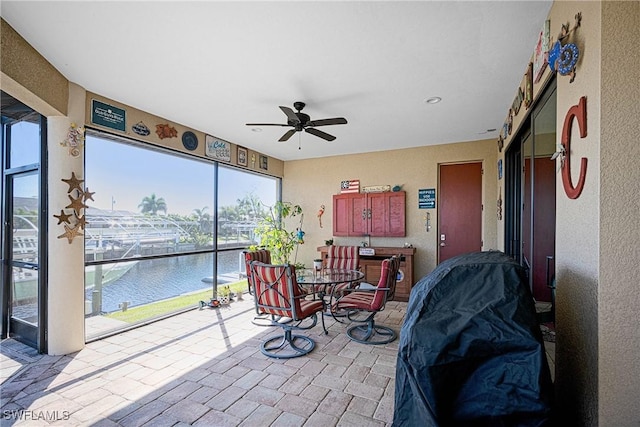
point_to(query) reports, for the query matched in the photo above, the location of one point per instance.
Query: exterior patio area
(204, 367)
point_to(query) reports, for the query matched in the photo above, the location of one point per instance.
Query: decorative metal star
(88, 195)
(82, 221)
(76, 204)
(74, 182)
(70, 233)
(63, 217)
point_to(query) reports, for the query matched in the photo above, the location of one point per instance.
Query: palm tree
(203, 218)
(152, 204)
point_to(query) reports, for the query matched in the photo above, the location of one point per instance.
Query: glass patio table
(320, 280)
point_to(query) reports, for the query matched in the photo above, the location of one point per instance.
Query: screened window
(152, 246)
(243, 199)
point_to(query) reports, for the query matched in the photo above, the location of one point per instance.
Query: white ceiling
(215, 66)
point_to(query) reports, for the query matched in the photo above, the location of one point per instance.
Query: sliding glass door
(23, 291)
(531, 195)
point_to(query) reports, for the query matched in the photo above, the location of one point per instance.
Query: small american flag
(350, 186)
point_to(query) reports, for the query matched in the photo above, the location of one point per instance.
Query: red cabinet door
(358, 218)
(377, 214)
(395, 215)
(348, 211)
(374, 214)
(341, 214)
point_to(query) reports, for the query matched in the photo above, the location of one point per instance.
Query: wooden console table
(370, 265)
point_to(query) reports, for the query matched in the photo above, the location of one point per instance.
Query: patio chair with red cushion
(261, 255)
(371, 301)
(277, 293)
(344, 258)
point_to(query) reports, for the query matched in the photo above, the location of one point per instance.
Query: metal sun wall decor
(75, 221)
(75, 140)
(563, 56)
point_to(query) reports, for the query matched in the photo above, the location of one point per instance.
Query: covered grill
(471, 352)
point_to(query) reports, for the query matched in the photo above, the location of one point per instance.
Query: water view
(152, 280)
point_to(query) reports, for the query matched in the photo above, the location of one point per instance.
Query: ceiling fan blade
(266, 124)
(320, 134)
(287, 135)
(290, 114)
(326, 122)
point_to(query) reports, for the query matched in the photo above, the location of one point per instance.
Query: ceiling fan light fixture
(433, 100)
(300, 122)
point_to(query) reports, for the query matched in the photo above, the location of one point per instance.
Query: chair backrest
(261, 255)
(276, 289)
(343, 257)
(386, 288)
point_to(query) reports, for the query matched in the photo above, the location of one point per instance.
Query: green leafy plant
(273, 234)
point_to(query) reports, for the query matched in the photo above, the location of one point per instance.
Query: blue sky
(128, 174)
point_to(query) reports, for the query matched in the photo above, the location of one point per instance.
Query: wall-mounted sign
(189, 140)
(217, 149)
(426, 198)
(141, 129)
(108, 116)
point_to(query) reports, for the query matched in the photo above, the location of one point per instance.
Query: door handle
(443, 244)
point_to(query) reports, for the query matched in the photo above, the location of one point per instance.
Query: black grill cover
(471, 351)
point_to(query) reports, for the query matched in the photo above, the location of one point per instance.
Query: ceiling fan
(301, 121)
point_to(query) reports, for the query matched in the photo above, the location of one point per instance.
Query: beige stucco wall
(577, 226)
(311, 183)
(619, 251)
(65, 271)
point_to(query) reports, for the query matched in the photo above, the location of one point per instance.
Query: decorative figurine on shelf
(320, 213)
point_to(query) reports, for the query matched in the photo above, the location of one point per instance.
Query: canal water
(158, 279)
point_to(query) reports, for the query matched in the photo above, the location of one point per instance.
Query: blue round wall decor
(190, 140)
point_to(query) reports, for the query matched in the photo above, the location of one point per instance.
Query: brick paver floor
(203, 368)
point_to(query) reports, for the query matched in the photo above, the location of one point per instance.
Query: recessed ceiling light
(433, 100)
(256, 129)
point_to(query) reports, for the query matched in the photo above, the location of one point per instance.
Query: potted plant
(224, 295)
(274, 236)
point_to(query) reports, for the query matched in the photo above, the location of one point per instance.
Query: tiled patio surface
(203, 368)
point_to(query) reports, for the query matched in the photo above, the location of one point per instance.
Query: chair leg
(365, 333)
(279, 347)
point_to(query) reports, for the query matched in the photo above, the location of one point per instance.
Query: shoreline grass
(170, 305)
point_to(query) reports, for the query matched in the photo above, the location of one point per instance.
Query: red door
(460, 211)
(540, 244)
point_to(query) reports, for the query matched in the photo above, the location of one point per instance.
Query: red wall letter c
(580, 113)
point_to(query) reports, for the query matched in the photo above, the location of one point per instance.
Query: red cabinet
(373, 214)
